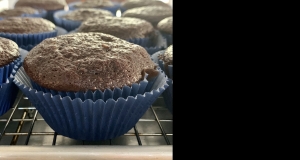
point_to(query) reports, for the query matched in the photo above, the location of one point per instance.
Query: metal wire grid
(30, 114)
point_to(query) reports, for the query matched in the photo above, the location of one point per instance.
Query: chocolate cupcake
(18, 12)
(101, 4)
(129, 4)
(49, 5)
(165, 27)
(9, 60)
(71, 20)
(27, 31)
(90, 86)
(134, 30)
(152, 14)
(164, 59)
(106, 63)
(122, 27)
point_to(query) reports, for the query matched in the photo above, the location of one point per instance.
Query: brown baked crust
(85, 13)
(152, 14)
(122, 27)
(140, 3)
(86, 61)
(25, 25)
(94, 4)
(17, 11)
(43, 4)
(167, 57)
(9, 51)
(166, 25)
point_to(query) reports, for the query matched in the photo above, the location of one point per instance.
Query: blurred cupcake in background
(27, 31)
(129, 4)
(22, 12)
(164, 59)
(101, 4)
(70, 20)
(49, 5)
(90, 86)
(10, 60)
(165, 27)
(152, 14)
(134, 30)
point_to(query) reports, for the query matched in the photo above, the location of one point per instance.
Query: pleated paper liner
(8, 91)
(50, 15)
(92, 119)
(23, 54)
(113, 9)
(168, 93)
(6, 70)
(28, 39)
(41, 13)
(151, 44)
(168, 37)
(60, 31)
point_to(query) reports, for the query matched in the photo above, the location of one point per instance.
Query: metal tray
(23, 132)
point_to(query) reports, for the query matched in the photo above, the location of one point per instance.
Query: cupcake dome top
(85, 13)
(26, 25)
(43, 4)
(18, 11)
(122, 27)
(167, 57)
(166, 25)
(140, 3)
(86, 61)
(153, 14)
(9, 51)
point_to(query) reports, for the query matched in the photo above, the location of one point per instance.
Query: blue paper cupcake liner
(23, 53)
(8, 91)
(5, 71)
(69, 25)
(168, 93)
(50, 15)
(28, 39)
(41, 13)
(168, 37)
(91, 120)
(113, 9)
(60, 31)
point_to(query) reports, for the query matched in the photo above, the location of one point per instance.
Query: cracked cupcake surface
(9, 51)
(87, 61)
(26, 25)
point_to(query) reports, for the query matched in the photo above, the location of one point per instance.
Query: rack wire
(23, 125)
